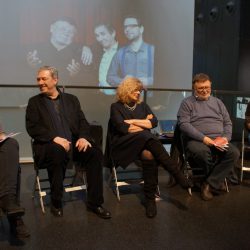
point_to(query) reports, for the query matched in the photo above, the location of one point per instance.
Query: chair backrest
(178, 152)
(108, 160)
(96, 132)
(177, 146)
(36, 165)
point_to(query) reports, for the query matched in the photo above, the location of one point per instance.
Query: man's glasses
(203, 88)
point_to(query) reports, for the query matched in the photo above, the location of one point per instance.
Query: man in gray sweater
(206, 125)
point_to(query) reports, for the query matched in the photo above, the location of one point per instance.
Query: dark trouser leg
(203, 156)
(223, 166)
(9, 167)
(56, 159)
(163, 158)
(9, 163)
(150, 176)
(92, 160)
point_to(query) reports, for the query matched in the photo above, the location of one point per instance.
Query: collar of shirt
(112, 48)
(137, 46)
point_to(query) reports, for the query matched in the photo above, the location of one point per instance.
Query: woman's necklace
(132, 108)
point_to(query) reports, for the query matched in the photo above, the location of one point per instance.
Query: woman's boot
(150, 176)
(163, 158)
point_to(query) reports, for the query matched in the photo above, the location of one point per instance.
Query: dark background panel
(216, 41)
(244, 55)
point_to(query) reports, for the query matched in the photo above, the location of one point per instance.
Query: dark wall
(216, 41)
(244, 58)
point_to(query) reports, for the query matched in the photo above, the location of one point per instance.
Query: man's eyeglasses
(203, 88)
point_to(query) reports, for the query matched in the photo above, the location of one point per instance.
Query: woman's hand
(133, 128)
(130, 121)
(142, 123)
(149, 117)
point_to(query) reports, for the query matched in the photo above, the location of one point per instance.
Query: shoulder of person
(215, 98)
(123, 48)
(116, 104)
(36, 97)
(189, 99)
(68, 96)
(219, 101)
(148, 45)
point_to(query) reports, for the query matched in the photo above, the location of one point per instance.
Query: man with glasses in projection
(207, 129)
(136, 59)
(62, 51)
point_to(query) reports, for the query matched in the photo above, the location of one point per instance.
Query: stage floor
(182, 222)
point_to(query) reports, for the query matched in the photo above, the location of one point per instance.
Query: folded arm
(137, 125)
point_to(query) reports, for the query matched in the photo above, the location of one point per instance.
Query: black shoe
(206, 193)
(10, 206)
(218, 191)
(151, 209)
(100, 211)
(57, 212)
(17, 228)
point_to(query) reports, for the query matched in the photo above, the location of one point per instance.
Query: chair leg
(241, 173)
(190, 191)
(85, 181)
(116, 185)
(34, 188)
(242, 163)
(227, 189)
(188, 174)
(158, 192)
(41, 194)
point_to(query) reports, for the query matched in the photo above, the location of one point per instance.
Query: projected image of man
(61, 50)
(105, 36)
(136, 59)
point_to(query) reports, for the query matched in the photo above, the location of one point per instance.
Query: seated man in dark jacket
(10, 185)
(61, 132)
(206, 124)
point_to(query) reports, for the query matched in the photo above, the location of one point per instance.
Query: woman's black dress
(127, 147)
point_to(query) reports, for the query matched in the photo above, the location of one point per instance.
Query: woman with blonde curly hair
(131, 139)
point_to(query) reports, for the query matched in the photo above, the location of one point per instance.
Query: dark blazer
(39, 124)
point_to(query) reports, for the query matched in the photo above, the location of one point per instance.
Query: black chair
(120, 177)
(75, 179)
(190, 168)
(41, 183)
